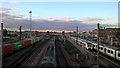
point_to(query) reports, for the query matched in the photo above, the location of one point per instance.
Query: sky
(59, 0)
(60, 15)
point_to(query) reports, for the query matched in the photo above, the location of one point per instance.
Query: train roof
(73, 37)
(83, 40)
(94, 43)
(89, 41)
(48, 60)
(118, 50)
(111, 47)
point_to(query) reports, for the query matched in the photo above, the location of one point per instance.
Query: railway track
(36, 56)
(110, 62)
(26, 59)
(23, 58)
(60, 57)
(106, 61)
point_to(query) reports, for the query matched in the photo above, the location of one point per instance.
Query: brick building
(108, 34)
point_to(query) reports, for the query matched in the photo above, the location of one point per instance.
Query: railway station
(59, 34)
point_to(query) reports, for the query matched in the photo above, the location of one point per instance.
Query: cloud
(47, 25)
(67, 19)
(110, 20)
(16, 19)
(8, 10)
(90, 20)
(49, 18)
(10, 13)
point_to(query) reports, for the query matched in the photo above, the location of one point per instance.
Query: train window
(108, 51)
(44, 59)
(105, 49)
(111, 52)
(51, 59)
(48, 48)
(52, 47)
(118, 54)
(101, 48)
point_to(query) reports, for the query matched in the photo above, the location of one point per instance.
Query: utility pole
(111, 38)
(98, 26)
(77, 35)
(20, 32)
(1, 47)
(1, 50)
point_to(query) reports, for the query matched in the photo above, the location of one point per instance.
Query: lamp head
(30, 12)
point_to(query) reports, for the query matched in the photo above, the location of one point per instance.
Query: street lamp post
(30, 23)
(20, 33)
(98, 45)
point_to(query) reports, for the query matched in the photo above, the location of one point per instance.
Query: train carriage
(101, 48)
(80, 42)
(38, 39)
(106, 49)
(48, 61)
(7, 49)
(17, 46)
(110, 51)
(89, 45)
(86, 44)
(118, 54)
(73, 39)
(25, 42)
(32, 40)
(94, 45)
(83, 42)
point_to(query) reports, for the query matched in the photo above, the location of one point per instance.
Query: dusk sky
(60, 15)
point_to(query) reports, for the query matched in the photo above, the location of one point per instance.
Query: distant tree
(63, 33)
(48, 32)
(74, 32)
(90, 32)
(4, 32)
